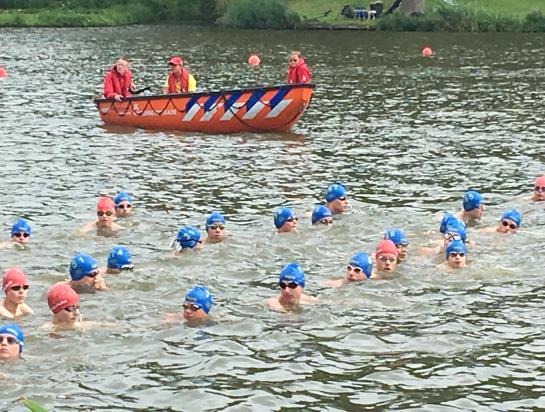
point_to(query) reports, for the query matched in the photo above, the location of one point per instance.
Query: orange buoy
(427, 51)
(254, 60)
(3, 72)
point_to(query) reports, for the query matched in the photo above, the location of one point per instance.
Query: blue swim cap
(472, 200)
(200, 296)
(319, 213)
(215, 217)
(188, 237)
(456, 246)
(281, 215)
(15, 331)
(334, 191)
(120, 258)
(293, 272)
(397, 236)
(81, 265)
(450, 220)
(21, 226)
(122, 197)
(513, 215)
(364, 262)
(457, 228)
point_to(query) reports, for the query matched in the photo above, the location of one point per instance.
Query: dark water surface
(408, 136)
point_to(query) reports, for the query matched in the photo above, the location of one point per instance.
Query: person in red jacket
(118, 81)
(298, 71)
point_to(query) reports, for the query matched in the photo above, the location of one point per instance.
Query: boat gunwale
(199, 94)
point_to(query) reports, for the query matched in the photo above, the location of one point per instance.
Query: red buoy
(427, 51)
(3, 72)
(254, 60)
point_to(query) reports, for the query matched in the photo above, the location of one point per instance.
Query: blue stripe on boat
(231, 100)
(210, 102)
(258, 94)
(191, 103)
(277, 98)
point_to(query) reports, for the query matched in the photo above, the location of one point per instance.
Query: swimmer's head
(83, 265)
(539, 189)
(292, 272)
(335, 191)
(62, 296)
(188, 237)
(321, 215)
(456, 246)
(400, 240)
(510, 221)
(201, 297)
(386, 256)
(283, 215)
(104, 204)
(215, 218)
(122, 197)
(14, 331)
(21, 231)
(120, 258)
(13, 277)
(360, 263)
(456, 228)
(472, 200)
(449, 220)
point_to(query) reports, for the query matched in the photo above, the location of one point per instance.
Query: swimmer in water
(539, 190)
(215, 228)
(400, 240)
(321, 216)
(188, 238)
(15, 286)
(104, 225)
(119, 260)
(85, 275)
(285, 220)
(12, 341)
(123, 205)
(197, 304)
(64, 303)
(509, 223)
(20, 235)
(452, 228)
(292, 284)
(336, 198)
(386, 256)
(473, 204)
(360, 267)
(456, 255)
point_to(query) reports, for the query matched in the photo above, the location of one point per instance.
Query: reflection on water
(408, 136)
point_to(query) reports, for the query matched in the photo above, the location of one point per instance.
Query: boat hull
(265, 109)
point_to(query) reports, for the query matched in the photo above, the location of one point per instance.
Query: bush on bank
(259, 14)
(461, 19)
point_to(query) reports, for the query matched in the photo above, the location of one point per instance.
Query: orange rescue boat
(263, 109)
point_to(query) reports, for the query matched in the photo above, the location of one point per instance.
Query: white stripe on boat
(253, 111)
(279, 108)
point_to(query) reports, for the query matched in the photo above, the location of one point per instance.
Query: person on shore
(292, 284)
(539, 190)
(123, 205)
(118, 81)
(104, 225)
(64, 303)
(85, 275)
(285, 220)
(119, 259)
(473, 205)
(400, 240)
(20, 235)
(386, 257)
(197, 304)
(509, 223)
(187, 238)
(297, 71)
(12, 341)
(456, 255)
(215, 228)
(179, 80)
(321, 215)
(336, 198)
(15, 286)
(360, 267)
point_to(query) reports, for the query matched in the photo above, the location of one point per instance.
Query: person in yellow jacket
(179, 79)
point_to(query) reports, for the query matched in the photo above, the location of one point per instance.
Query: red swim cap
(61, 296)
(105, 203)
(540, 181)
(13, 277)
(176, 61)
(386, 247)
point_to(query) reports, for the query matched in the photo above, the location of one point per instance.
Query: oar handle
(144, 89)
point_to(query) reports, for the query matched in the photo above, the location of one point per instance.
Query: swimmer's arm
(309, 300)
(333, 283)
(86, 228)
(487, 229)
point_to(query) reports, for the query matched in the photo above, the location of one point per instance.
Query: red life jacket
(298, 73)
(184, 81)
(115, 83)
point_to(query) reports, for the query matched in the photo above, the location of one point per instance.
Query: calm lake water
(406, 134)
